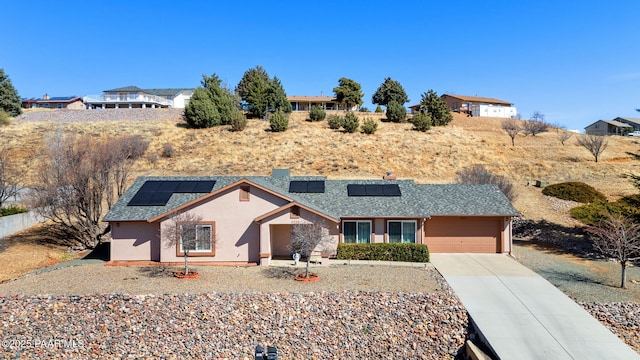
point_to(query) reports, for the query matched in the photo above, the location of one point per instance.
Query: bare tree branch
(307, 238)
(512, 127)
(596, 144)
(619, 238)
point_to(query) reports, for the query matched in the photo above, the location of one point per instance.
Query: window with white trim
(356, 231)
(402, 231)
(196, 238)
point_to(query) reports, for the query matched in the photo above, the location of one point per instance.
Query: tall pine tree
(433, 105)
(261, 94)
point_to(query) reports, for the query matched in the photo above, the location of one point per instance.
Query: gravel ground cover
(594, 285)
(352, 312)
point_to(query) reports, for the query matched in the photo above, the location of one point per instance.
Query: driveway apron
(523, 316)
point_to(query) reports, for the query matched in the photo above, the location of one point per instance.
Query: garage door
(457, 235)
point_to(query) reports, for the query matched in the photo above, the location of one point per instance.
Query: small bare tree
(563, 135)
(596, 144)
(619, 238)
(307, 238)
(478, 174)
(512, 128)
(10, 176)
(184, 231)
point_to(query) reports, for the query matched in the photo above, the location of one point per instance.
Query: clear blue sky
(575, 61)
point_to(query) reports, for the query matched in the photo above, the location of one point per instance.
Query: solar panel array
(373, 190)
(306, 186)
(158, 192)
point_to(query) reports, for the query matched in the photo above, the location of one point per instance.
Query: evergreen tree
(261, 94)
(277, 99)
(211, 104)
(9, 100)
(348, 92)
(433, 105)
(390, 90)
(396, 112)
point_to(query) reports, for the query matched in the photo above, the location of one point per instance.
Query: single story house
(55, 102)
(608, 127)
(304, 103)
(634, 122)
(248, 219)
(476, 106)
(134, 97)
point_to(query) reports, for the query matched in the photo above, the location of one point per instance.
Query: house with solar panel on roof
(132, 97)
(248, 219)
(54, 102)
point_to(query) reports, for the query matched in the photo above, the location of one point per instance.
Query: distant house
(608, 127)
(304, 103)
(476, 106)
(55, 102)
(134, 97)
(248, 219)
(629, 121)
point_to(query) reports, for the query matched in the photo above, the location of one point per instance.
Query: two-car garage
(470, 234)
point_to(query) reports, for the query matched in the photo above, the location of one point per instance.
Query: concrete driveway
(523, 316)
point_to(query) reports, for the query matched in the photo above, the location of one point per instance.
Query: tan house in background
(304, 103)
(249, 219)
(56, 102)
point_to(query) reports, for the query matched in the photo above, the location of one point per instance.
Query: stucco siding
(237, 237)
(134, 241)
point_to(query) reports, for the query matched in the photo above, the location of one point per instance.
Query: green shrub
(12, 210)
(351, 122)
(238, 121)
(421, 121)
(384, 252)
(335, 121)
(574, 191)
(5, 119)
(278, 121)
(593, 213)
(369, 126)
(378, 109)
(396, 112)
(363, 109)
(317, 113)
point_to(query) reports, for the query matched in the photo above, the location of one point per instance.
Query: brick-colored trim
(265, 255)
(180, 253)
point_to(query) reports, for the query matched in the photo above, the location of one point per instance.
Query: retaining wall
(14, 223)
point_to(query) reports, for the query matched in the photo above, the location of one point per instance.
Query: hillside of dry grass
(313, 149)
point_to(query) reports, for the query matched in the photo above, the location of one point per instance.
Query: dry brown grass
(311, 148)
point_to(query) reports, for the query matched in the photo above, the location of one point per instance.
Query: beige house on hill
(304, 103)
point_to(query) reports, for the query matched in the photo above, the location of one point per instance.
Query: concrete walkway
(523, 316)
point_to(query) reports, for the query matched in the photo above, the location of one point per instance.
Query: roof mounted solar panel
(391, 190)
(384, 190)
(158, 192)
(373, 190)
(356, 190)
(306, 186)
(298, 186)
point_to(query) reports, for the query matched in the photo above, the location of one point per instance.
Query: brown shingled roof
(478, 99)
